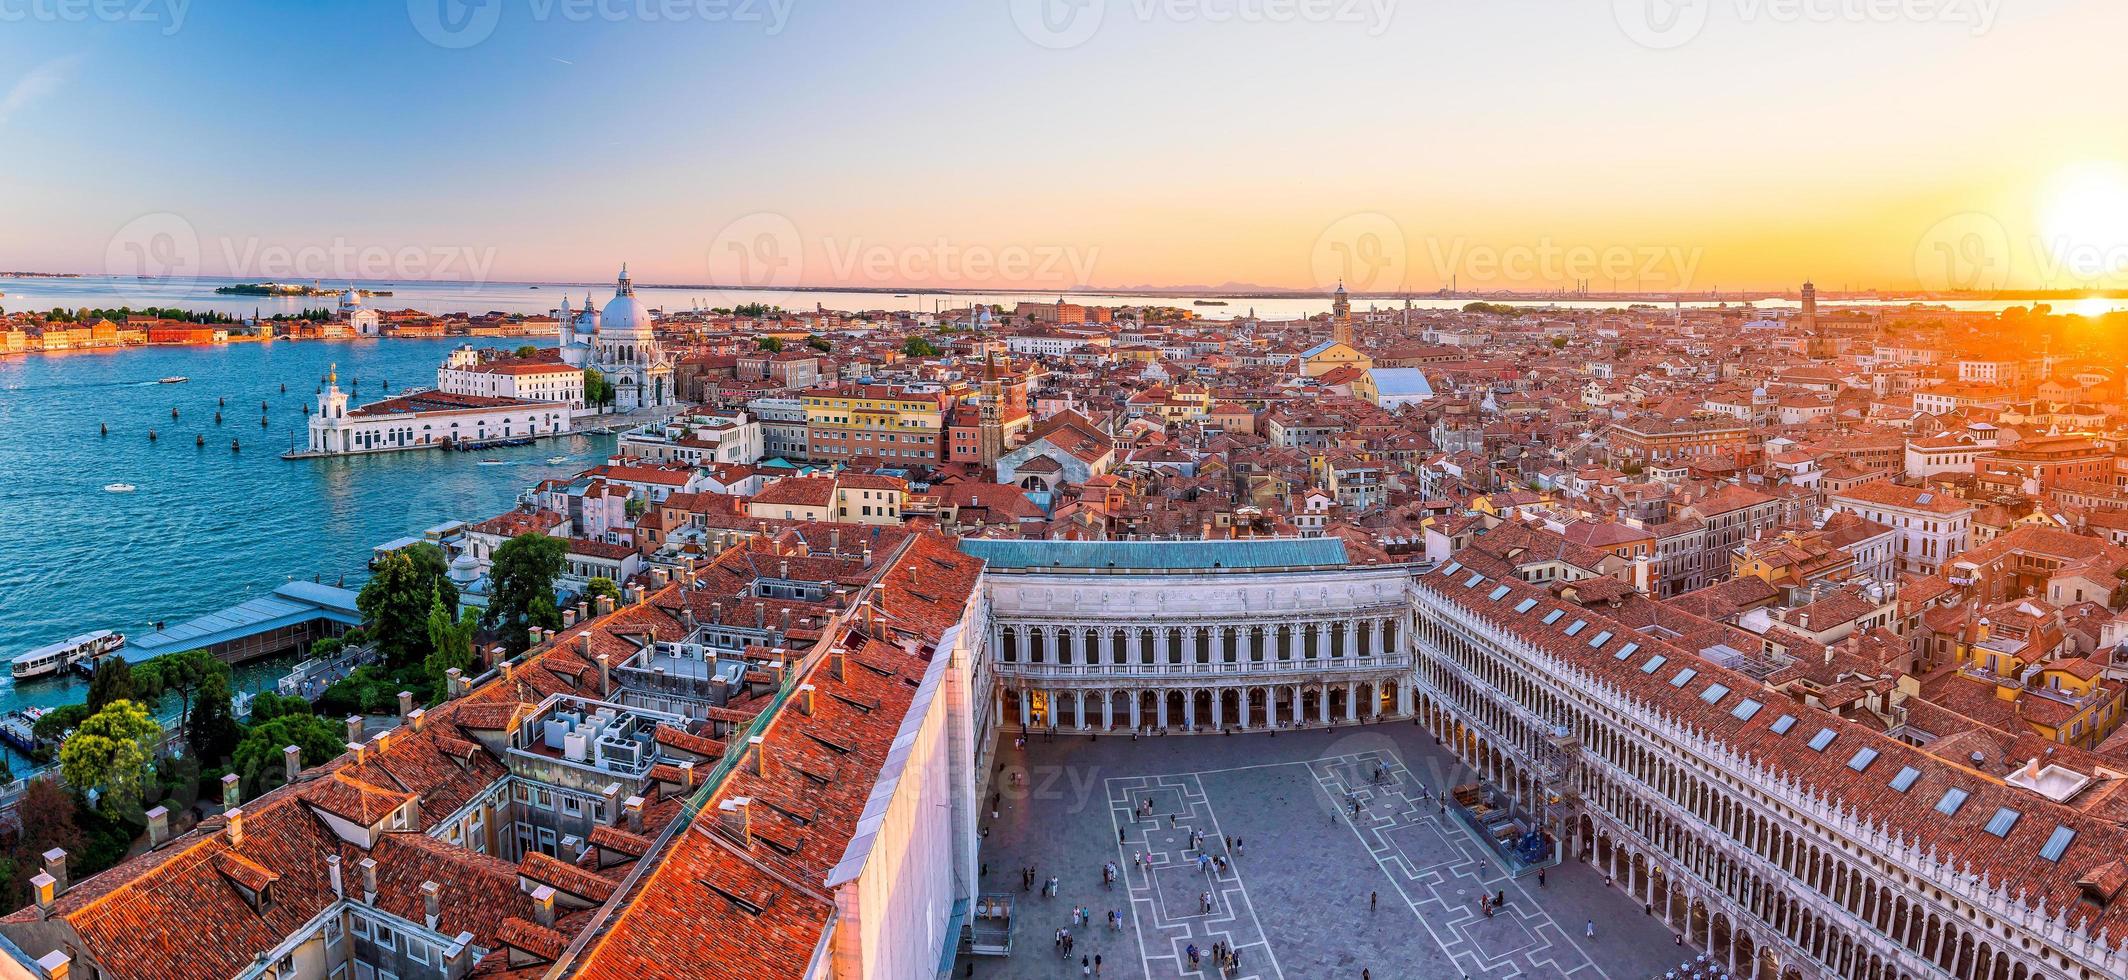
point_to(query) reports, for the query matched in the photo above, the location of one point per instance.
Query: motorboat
(175, 379)
(557, 460)
(119, 488)
(54, 657)
(491, 462)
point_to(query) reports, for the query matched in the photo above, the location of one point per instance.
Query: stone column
(1300, 717)
(1108, 710)
(1136, 706)
(1162, 696)
(1079, 714)
(1322, 702)
(1322, 640)
(1352, 639)
(1026, 708)
(1352, 706)
(1404, 697)
(1374, 637)
(1161, 652)
(1106, 639)
(1189, 710)
(1270, 707)
(1245, 644)
(1078, 645)
(1218, 709)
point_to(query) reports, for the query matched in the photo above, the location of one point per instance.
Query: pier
(288, 618)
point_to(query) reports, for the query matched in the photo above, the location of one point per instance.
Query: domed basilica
(619, 343)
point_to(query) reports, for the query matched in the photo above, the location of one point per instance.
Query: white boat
(557, 460)
(175, 379)
(491, 462)
(54, 657)
(119, 488)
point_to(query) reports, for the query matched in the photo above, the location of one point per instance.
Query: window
(1683, 677)
(1654, 664)
(1579, 625)
(1862, 759)
(2057, 843)
(1782, 724)
(1553, 616)
(1713, 693)
(1953, 798)
(1602, 637)
(1822, 739)
(1744, 710)
(2004, 819)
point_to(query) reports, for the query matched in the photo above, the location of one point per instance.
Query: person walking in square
(1590, 932)
(1373, 899)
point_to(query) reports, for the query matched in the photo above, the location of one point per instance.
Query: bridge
(288, 618)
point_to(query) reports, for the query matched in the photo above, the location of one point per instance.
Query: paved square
(1252, 842)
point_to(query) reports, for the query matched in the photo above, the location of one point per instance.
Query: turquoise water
(209, 528)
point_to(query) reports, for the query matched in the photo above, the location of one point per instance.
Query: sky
(1686, 145)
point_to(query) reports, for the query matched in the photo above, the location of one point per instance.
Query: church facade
(618, 342)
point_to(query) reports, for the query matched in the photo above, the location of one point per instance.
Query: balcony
(1239, 669)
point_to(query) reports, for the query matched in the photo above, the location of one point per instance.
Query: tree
(47, 816)
(395, 602)
(919, 347)
(597, 390)
(1558, 343)
(54, 724)
(212, 731)
(450, 645)
(268, 705)
(773, 345)
(819, 343)
(113, 681)
(603, 586)
(176, 673)
(527, 351)
(111, 752)
(259, 760)
(522, 587)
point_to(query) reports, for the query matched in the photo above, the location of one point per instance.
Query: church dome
(624, 313)
(350, 299)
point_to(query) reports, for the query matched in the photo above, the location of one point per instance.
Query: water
(209, 528)
(104, 292)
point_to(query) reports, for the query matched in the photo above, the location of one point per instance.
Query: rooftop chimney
(354, 728)
(543, 905)
(741, 809)
(158, 826)
(612, 793)
(532, 636)
(54, 965)
(453, 682)
(783, 568)
(417, 717)
(805, 699)
(369, 880)
(605, 662)
(605, 604)
(292, 757)
(760, 747)
(659, 576)
(406, 704)
(236, 826)
(687, 774)
(357, 749)
(332, 873)
(231, 792)
(45, 886)
(431, 903)
(633, 807)
(867, 556)
(568, 617)
(55, 865)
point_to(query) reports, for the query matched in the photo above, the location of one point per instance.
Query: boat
(18, 728)
(119, 488)
(1210, 302)
(557, 460)
(54, 657)
(175, 379)
(491, 462)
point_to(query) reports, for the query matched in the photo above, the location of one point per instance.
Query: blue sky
(1168, 146)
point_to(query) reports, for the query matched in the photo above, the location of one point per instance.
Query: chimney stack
(416, 717)
(332, 873)
(543, 905)
(453, 682)
(532, 636)
(633, 806)
(54, 965)
(605, 605)
(354, 728)
(687, 774)
(612, 793)
(406, 704)
(741, 809)
(231, 793)
(357, 749)
(55, 865)
(783, 568)
(805, 699)
(369, 880)
(605, 662)
(292, 756)
(760, 747)
(583, 610)
(158, 826)
(45, 887)
(568, 617)
(431, 903)
(867, 556)
(659, 576)
(236, 826)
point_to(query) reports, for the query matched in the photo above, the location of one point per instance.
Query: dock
(290, 617)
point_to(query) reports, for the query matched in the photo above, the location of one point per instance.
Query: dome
(350, 299)
(624, 313)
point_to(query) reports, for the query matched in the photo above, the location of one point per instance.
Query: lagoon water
(208, 528)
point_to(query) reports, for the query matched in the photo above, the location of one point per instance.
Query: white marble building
(1193, 635)
(618, 342)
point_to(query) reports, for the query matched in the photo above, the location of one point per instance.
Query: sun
(2084, 223)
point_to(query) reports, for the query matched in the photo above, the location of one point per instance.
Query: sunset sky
(1512, 143)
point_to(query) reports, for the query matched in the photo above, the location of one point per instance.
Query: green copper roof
(1162, 555)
